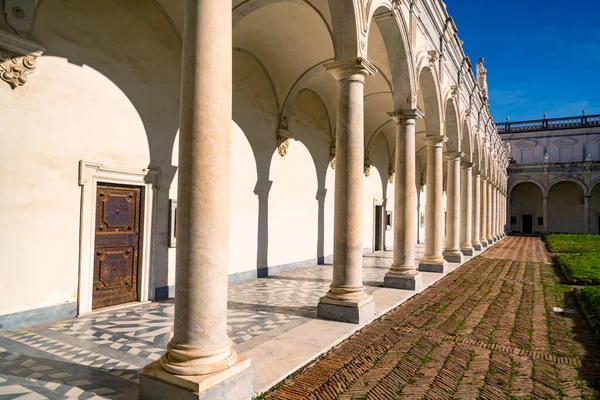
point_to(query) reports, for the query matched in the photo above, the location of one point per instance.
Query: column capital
(403, 116)
(454, 155)
(466, 165)
(436, 141)
(353, 69)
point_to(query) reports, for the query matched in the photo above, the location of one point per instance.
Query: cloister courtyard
(502, 325)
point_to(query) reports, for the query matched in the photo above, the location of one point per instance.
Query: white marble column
(476, 218)
(544, 214)
(506, 219)
(508, 215)
(587, 212)
(484, 209)
(433, 261)
(466, 208)
(502, 213)
(452, 252)
(403, 274)
(346, 299)
(200, 350)
(496, 214)
(489, 211)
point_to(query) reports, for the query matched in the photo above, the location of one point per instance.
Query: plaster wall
(565, 208)
(97, 97)
(526, 199)
(595, 210)
(560, 146)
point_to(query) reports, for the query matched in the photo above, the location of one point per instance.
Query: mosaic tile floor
(100, 355)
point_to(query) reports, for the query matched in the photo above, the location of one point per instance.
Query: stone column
(403, 274)
(496, 232)
(466, 208)
(544, 214)
(346, 299)
(484, 201)
(508, 214)
(433, 261)
(489, 211)
(476, 218)
(587, 212)
(452, 252)
(502, 215)
(200, 361)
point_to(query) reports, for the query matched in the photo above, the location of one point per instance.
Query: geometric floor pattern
(100, 355)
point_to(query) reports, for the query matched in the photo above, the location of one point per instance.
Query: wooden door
(378, 228)
(116, 246)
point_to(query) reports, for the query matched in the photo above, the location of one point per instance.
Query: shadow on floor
(302, 311)
(580, 330)
(23, 371)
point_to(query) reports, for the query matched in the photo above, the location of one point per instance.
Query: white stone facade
(555, 174)
(333, 128)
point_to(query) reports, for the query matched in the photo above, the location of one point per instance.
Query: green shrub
(589, 298)
(572, 243)
(581, 268)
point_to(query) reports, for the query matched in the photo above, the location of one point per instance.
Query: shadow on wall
(133, 45)
(292, 190)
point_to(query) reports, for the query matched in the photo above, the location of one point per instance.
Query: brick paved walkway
(490, 330)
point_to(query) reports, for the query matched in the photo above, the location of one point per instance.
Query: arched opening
(281, 89)
(526, 208)
(566, 195)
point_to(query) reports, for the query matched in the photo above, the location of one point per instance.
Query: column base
(438, 266)
(453, 256)
(491, 240)
(403, 281)
(468, 251)
(235, 383)
(484, 243)
(477, 246)
(346, 311)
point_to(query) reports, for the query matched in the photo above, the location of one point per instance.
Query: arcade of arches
(154, 161)
(534, 209)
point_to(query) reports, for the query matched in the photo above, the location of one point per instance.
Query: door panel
(116, 246)
(527, 223)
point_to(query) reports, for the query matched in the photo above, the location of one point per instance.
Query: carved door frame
(90, 175)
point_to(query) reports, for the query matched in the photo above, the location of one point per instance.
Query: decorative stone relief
(367, 168)
(432, 58)
(332, 154)
(15, 69)
(283, 141)
(18, 59)
(455, 90)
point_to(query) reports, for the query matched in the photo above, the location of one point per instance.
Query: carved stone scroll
(18, 59)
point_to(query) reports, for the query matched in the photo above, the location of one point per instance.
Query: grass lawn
(581, 268)
(589, 297)
(572, 243)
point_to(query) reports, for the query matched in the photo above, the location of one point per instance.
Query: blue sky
(541, 56)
